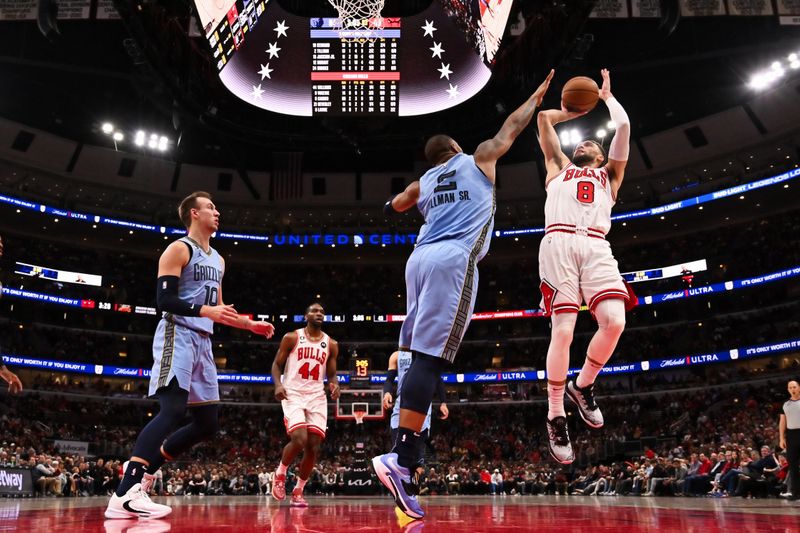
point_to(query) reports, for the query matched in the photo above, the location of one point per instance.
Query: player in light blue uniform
(456, 197)
(189, 292)
(399, 363)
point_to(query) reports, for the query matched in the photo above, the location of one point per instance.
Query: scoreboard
(306, 66)
(352, 75)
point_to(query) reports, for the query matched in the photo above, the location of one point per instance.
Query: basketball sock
(204, 425)
(610, 315)
(132, 476)
(301, 483)
(408, 447)
(563, 325)
(158, 462)
(555, 397)
(282, 468)
(173, 407)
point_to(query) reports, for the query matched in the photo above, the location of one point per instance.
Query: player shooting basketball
(456, 197)
(576, 263)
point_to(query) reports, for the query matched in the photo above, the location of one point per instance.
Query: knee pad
(419, 383)
(610, 315)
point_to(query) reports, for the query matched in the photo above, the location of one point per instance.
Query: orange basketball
(580, 94)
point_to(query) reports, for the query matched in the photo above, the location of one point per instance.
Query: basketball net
(359, 416)
(358, 19)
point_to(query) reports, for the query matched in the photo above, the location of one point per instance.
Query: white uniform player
(576, 264)
(304, 359)
(306, 405)
(575, 260)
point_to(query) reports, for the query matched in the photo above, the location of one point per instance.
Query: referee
(790, 437)
(14, 384)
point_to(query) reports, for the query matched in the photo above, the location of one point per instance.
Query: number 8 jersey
(579, 198)
(306, 366)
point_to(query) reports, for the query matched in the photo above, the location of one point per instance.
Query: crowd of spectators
(712, 441)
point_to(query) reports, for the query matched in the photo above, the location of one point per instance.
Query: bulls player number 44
(309, 373)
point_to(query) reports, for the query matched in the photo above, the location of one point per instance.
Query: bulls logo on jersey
(323, 344)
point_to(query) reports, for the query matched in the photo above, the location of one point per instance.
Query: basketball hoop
(359, 416)
(358, 19)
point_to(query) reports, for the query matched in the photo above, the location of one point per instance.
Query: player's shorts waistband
(572, 228)
(198, 331)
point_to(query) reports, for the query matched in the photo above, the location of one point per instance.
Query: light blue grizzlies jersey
(403, 364)
(457, 201)
(199, 284)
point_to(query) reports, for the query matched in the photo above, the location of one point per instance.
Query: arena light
(601, 133)
(107, 128)
(564, 138)
(139, 139)
(575, 136)
(611, 125)
(118, 136)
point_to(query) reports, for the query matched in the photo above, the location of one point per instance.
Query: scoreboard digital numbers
(360, 371)
(355, 72)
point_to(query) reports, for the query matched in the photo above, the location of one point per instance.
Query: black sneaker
(587, 408)
(558, 440)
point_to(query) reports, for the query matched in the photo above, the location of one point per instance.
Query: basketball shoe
(587, 408)
(135, 504)
(147, 479)
(398, 480)
(279, 487)
(558, 440)
(297, 499)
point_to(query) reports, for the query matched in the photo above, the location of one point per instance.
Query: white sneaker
(147, 479)
(135, 504)
(558, 440)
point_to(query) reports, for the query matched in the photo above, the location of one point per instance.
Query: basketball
(580, 94)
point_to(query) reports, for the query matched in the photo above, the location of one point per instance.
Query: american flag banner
(286, 181)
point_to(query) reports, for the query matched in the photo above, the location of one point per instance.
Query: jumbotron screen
(302, 66)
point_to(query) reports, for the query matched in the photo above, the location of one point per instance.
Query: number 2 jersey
(579, 198)
(199, 285)
(306, 366)
(457, 201)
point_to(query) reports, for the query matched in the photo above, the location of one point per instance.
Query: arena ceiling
(145, 69)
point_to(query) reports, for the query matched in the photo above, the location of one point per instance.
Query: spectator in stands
(790, 439)
(197, 486)
(453, 486)
(45, 478)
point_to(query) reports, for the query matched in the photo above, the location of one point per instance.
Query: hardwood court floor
(448, 514)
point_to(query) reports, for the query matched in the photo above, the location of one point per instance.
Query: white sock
(282, 468)
(301, 483)
(562, 325)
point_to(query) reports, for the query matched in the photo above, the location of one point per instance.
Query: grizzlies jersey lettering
(580, 197)
(404, 359)
(307, 366)
(457, 201)
(199, 285)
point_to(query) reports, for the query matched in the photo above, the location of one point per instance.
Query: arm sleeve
(620, 144)
(441, 392)
(167, 298)
(388, 385)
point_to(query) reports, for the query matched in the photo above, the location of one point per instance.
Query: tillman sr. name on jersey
(311, 352)
(449, 198)
(207, 273)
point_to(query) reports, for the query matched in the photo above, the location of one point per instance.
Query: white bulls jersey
(579, 198)
(306, 367)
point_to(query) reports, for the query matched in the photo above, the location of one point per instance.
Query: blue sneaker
(398, 480)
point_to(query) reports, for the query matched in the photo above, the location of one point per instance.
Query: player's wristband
(389, 383)
(388, 208)
(167, 298)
